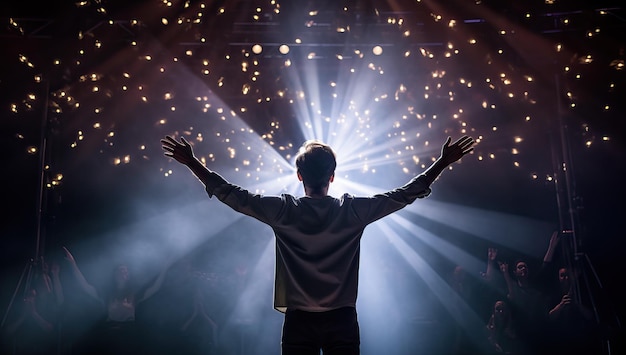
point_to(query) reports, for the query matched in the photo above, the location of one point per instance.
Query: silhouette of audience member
(117, 333)
(199, 332)
(185, 323)
(527, 306)
(500, 330)
(570, 322)
(527, 297)
(317, 240)
(493, 287)
(462, 284)
(468, 290)
(35, 329)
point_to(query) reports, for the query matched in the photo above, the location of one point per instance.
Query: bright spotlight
(257, 49)
(377, 50)
(283, 49)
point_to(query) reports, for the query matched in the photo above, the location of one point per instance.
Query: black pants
(334, 332)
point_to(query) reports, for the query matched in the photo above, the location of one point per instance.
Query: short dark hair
(316, 163)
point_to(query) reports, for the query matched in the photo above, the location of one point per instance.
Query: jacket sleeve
(372, 208)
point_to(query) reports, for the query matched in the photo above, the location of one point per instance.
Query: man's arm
(492, 254)
(158, 282)
(450, 153)
(554, 241)
(183, 153)
(510, 283)
(264, 208)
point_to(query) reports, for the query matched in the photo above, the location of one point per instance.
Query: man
(317, 240)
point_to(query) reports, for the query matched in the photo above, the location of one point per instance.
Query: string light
(448, 84)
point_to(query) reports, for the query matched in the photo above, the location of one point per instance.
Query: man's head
(521, 270)
(316, 165)
(121, 274)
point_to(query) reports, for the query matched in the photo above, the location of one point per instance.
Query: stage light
(283, 49)
(377, 50)
(257, 49)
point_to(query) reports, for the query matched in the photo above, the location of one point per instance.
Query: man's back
(318, 239)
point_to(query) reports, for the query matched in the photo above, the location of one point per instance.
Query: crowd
(526, 308)
(529, 307)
